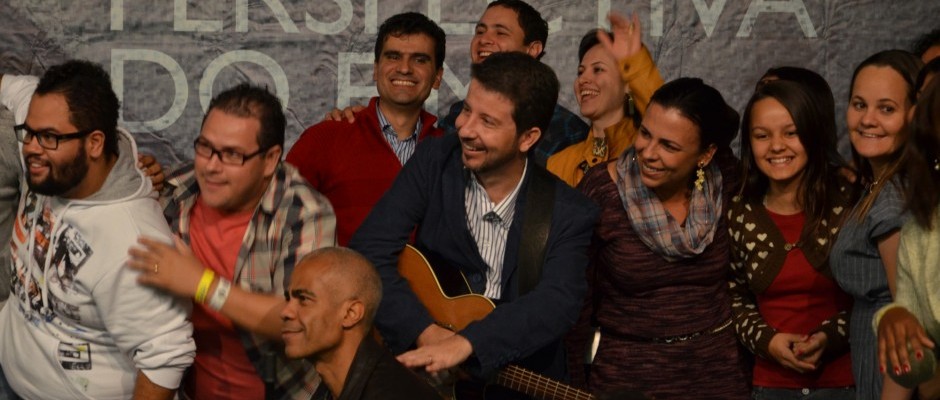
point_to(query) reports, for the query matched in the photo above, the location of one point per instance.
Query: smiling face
(498, 30)
(599, 89)
(487, 131)
(668, 151)
(233, 188)
(58, 172)
(778, 152)
(406, 70)
(314, 315)
(876, 116)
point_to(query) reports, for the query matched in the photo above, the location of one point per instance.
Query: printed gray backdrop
(167, 57)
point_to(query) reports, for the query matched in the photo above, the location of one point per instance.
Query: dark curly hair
(91, 100)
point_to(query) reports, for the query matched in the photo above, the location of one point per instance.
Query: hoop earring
(700, 177)
(936, 164)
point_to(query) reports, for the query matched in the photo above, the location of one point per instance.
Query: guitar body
(445, 294)
(448, 298)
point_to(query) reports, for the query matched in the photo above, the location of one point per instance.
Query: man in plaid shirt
(243, 218)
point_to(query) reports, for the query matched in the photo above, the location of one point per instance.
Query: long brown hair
(907, 66)
(923, 190)
(814, 119)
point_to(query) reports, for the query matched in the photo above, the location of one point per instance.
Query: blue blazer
(527, 330)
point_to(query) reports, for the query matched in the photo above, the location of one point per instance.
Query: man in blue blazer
(464, 197)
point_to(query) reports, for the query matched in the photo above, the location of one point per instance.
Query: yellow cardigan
(643, 78)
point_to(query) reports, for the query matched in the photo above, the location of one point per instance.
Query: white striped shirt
(403, 148)
(489, 224)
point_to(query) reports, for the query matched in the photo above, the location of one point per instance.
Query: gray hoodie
(78, 325)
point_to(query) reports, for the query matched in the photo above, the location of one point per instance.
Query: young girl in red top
(787, 308)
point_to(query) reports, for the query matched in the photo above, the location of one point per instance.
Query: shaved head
(350, 276)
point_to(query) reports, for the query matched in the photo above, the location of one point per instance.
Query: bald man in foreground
(333, 296)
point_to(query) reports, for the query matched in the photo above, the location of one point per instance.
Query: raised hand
(627, 36)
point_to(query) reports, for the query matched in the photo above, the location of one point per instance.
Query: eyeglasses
(229, 157)
(47, 140)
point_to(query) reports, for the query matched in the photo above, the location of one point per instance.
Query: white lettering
(603, 9)
(795, 7)
(467, 28)
(450, 28)
(371, 9)
(345, 91)
(181, 23)
(277, 8)
(453, 82)
(281, 85)
(331, 28)
(555, 25)
(181, 88)
(709, 15)
(117, 15)
(656, 18)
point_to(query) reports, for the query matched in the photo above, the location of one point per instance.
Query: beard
(61, 178)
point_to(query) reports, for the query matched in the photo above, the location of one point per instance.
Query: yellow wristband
(202, 291)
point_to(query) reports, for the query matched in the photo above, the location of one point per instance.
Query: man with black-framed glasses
(47, 139)
(244, 218)
(78, 324)
(15, 94)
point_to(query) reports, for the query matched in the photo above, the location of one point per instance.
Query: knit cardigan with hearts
(758, 252)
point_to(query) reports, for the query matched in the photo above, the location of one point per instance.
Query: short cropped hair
(533, 25)
(91, 100)
(247, 100)
(531, 86)
(412, 23)
(351, 267)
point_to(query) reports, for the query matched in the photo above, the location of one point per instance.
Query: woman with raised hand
(616, 77)
(864, 257)
(911, 324)
(659, 260)
(788, 310)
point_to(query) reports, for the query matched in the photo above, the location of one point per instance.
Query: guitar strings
(518, 378)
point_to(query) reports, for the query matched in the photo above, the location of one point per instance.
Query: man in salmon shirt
(248, 218)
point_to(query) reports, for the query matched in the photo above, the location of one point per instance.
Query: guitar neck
(535, 385)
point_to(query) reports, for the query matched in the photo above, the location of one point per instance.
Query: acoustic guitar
(451, 303)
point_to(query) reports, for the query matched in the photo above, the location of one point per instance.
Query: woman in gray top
(864, 257)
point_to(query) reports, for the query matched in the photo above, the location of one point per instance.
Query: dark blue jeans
(764, 393)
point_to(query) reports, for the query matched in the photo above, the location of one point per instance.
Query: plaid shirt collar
(295, 379)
